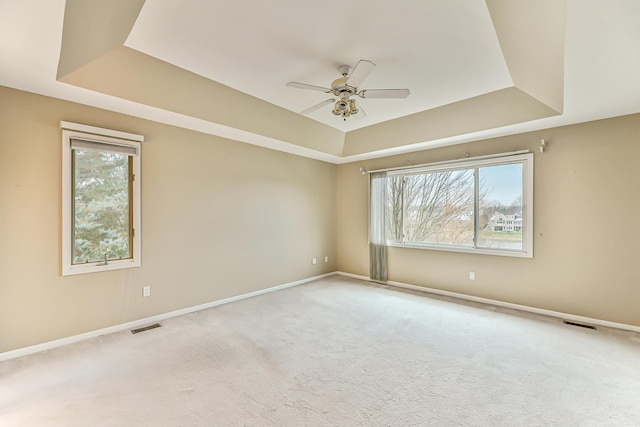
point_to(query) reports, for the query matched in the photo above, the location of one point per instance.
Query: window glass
(394, 208)
(482, 205)
(438, 207)
(501, 211)
(101, 206)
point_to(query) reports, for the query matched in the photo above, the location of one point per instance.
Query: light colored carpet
(336, 352)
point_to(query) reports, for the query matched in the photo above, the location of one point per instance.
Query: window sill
(464, 249)
(98, 267)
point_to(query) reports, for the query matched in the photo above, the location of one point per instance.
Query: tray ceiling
(475, 69)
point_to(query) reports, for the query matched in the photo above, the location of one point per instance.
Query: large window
(481, 205)
(101, 199)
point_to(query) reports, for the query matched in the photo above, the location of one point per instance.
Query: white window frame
(525, 158)
(104, 136)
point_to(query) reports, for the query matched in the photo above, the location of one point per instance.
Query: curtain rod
(444, 162)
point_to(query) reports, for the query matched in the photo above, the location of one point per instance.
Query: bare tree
(434, 207)
(394, 207)
(516, 205)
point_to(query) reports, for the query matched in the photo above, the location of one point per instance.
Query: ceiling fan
(349, 85)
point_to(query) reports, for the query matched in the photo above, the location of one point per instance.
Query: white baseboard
(541, 311)
(13, 354)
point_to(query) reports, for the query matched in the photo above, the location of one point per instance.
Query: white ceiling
(443, 51)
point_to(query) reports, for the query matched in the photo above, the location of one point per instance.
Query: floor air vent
(580, 325)
(146, 328)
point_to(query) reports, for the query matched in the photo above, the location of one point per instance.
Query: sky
(504, 182)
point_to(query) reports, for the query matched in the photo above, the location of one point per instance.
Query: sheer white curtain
(377, 238)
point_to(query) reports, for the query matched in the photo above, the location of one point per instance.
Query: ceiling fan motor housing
(340, 88)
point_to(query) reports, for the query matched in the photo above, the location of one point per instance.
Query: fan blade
(383, 93)
(306, 86)
(360, 73)
(318, 106)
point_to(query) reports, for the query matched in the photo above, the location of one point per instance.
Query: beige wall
(587, 234)
(219, 219)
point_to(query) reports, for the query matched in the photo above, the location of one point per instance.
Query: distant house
(502, 222)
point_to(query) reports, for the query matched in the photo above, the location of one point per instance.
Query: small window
(482, 205)
(101, 199)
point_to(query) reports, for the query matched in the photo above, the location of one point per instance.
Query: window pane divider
(476, 206)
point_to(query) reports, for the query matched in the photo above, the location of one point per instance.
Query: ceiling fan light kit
(347, 86)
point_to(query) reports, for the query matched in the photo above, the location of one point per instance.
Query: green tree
(101, 206)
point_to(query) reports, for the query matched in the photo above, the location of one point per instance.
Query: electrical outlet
(314, 261)
(472, 275)
(326, 259)
(146, 291)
